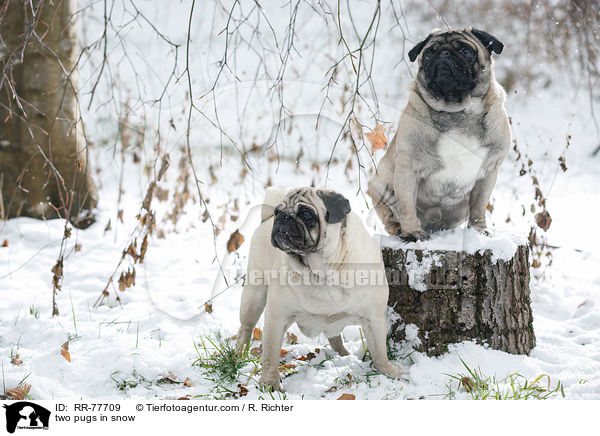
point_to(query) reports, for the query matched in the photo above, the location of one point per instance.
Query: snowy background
(264, 93)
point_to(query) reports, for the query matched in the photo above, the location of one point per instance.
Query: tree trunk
(43, 166)
(461, 296)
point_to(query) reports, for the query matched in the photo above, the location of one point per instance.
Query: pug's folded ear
(490, 42)
(336, 204)
(414, 52)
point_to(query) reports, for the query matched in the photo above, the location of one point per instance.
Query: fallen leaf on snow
(243, 390)
(16, 360)
(309, 356)
(65, 351)
(347, 397)
(467, 383)
(169, 378)
(19, 393)
(5, 243)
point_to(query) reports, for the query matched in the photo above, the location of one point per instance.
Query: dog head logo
(24, 414)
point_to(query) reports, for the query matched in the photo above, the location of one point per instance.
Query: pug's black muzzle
(449, 75)
(288, 234)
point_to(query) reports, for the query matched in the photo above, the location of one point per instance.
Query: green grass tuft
(512, 387)
(219, 358)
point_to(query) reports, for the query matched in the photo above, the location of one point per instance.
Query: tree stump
(452, 296)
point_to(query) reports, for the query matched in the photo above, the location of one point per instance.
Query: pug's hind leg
(337, 343)
(254, 298)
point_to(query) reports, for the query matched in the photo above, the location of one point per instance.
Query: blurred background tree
(43, 164)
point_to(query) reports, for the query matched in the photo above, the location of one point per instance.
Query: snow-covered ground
(126, 349)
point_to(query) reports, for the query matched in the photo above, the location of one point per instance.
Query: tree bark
(43, 166)
(467, 297)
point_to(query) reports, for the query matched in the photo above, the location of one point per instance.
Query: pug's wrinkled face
(296, 228)
(301, 217)
(455, 64)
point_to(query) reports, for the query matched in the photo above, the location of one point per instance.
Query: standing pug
(313, 262)
(442, 164)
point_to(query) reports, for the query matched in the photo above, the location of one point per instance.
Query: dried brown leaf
(347, 397)
(543, 220)
(163, 166)
(132, 251)
(243, 390)
(16, 360)
(57, 271)
(64, 351)
(289, 366)
(467, 383)
(235, 241)
(149, 195)
(143, 248)
(19, 393)
(377, 138)
(127, 279)
(562, 163)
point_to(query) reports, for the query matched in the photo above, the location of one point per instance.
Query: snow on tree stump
(461, 286)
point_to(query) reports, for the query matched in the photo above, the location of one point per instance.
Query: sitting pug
(307, 264)
(442, 164)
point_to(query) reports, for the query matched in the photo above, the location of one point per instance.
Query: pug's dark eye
(306, 215)
(466, 51)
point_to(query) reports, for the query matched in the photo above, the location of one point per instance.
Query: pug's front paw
(270, 383)
(414, 235)
(480, 227)
(392, 227)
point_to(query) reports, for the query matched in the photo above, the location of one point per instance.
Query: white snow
(501, 243)
(156, 328)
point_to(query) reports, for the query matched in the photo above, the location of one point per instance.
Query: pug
(312, 262)
(453, 134)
